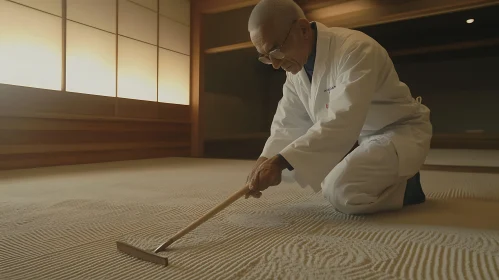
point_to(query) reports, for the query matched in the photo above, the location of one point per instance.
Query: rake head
(151, 256)
(138, 253)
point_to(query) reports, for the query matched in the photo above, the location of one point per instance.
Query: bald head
(275, 14)
(281, 34)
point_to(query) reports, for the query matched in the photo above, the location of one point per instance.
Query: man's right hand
(250, 177)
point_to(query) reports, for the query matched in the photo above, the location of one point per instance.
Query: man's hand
(266, 173)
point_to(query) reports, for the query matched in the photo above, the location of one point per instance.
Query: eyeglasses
(276, 53)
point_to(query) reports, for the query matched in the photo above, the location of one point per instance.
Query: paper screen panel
(30, 47)
(174, 36)
(178, 10)
(49, 6)
(137, 22)
(137, 70)
(97, 13)
(173, 77)
(150, 4)
(91, 60)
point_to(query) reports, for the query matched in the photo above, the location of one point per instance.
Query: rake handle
(204, 218)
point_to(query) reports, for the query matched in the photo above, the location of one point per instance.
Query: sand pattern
(62, 223)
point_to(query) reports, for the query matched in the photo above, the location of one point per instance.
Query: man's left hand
(268, 174)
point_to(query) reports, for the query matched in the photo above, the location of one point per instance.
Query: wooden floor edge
(456, 168)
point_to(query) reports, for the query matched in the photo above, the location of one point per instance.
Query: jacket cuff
(288, 166)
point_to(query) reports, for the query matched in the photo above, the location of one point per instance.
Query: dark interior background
(458, 85)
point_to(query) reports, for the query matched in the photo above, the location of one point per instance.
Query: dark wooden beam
(358, 13)
(355, 13)
(218, 6)
(310, 5)
(446, 47)
(234, 47)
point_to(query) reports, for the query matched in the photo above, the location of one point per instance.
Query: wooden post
(197, 80)
(64, 44)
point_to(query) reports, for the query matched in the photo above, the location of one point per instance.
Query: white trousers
(367, 180)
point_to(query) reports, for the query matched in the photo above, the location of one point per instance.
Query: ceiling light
(470, 20)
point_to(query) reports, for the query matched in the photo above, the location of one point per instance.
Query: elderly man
(341, 89)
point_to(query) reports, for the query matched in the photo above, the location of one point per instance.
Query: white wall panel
(91, 60)
(174, 72)
(30, 47)
(50, 6)
(137, 22)
(96, 13)
(137, 70)
(178, 10)
(174, 36)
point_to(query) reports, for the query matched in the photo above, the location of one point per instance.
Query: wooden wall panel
(218, 33)
(173, 112)
(18, 161)
(27, 142)
(129, 108)
(33, 102)
(16, 99)
(45, 128)
(54, 137)
(39, 123)
(466, 169)
(466, 141)
(91, 147)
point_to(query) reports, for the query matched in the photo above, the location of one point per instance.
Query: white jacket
(355, 94)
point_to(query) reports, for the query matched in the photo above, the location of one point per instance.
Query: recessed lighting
(470, 20)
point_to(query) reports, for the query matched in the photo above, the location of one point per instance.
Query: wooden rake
(152, 256)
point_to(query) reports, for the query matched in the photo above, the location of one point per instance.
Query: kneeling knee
(340, 201)
(350, 199)
(348, 209)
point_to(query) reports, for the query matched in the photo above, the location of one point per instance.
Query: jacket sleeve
(322, 147)
(290, 121)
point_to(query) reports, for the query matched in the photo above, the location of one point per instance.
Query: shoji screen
(91, 47)
(174, 59)
(50, 6)
(135, 49)
(31, 43)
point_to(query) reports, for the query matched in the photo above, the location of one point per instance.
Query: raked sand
(63, 222)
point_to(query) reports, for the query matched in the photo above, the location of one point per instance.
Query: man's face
(292, 46)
